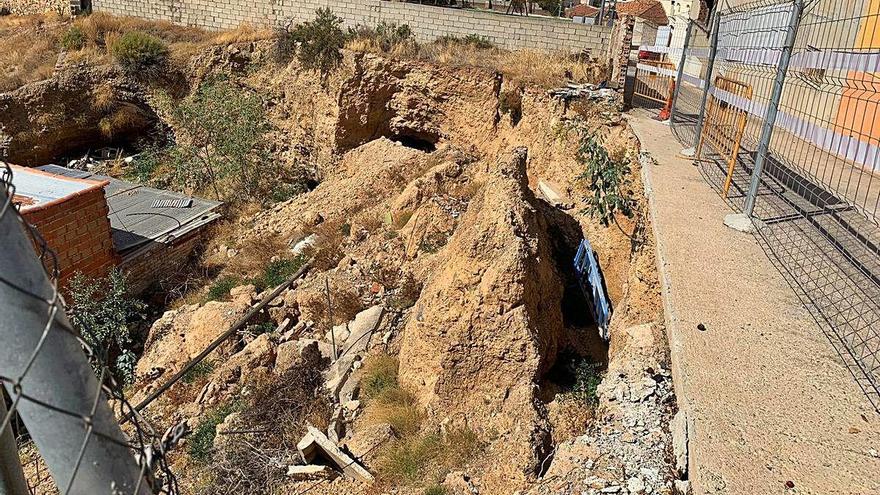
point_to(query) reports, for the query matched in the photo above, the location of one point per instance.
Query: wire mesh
(817, 203)
(87, 416)
(690, 87)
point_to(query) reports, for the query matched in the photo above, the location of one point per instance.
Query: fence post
(773, 107)
(710, 68)
(49, 379)
(681, 62)
(12, 481)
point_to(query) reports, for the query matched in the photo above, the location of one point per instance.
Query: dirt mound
(488, 324)
(417, 103)
(75, 111)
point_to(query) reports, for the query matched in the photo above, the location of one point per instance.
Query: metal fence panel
(817, 189)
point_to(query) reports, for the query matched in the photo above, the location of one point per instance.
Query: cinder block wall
(78, 231)
(427, 22)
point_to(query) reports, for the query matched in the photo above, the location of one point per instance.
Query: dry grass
(254, 254)
(415, 458)
(521, 66)
(31, 43)
(123, 120)
(29, 48)
(242, 34)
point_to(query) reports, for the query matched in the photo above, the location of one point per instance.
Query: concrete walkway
(772, 404)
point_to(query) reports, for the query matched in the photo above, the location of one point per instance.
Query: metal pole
(77, 436)
(330, 318)
(678, 78)
(219, 340)
(773, 108)
(12, 480)
(713, 51)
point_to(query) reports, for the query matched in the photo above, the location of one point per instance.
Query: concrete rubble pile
(573, 91)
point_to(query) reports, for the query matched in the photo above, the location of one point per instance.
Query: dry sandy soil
(426, 207)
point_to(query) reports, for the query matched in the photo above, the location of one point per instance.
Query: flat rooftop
(35, 189)
(140, 215)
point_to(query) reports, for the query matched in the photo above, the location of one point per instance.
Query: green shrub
(139, 53)
(219, 290)
(201, 442)
(261, 328)
(587, 378)
(436, 490)
(201, 369)
(320, 42)
(223, 146)
(105, 316)
(73, 39)
(389, 35)
(606, 180)
(277, 272)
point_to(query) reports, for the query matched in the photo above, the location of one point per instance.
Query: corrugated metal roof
(134, 220)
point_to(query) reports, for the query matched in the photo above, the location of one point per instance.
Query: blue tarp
(589, 277)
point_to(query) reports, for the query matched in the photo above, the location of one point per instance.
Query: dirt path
(774, 409)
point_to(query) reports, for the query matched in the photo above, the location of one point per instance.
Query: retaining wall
(427, 22)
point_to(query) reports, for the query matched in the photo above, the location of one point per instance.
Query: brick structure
(621, 42)
(427, 22)
(75, 225)
(159, 261)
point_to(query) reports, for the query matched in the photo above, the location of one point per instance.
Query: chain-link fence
(59, 422)
(779, 100)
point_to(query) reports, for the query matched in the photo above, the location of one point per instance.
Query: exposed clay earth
(453, 269)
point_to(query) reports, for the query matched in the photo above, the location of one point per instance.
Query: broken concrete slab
(338, 372)
(361, 329)
(338, 334)
(316, 445)
(310, 472)
(550, 192)
(739, 222)
(351, 388)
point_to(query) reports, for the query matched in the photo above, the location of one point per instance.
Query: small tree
(606, 179)
(320, 42)
(104, 316)
(222, 143)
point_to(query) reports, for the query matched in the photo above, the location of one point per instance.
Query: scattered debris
(315, 445)
(589, 276)
(573, 91)
(551, 193)
(310, 472)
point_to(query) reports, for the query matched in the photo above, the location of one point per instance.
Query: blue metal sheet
(589, 277)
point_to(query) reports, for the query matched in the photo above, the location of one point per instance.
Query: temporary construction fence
(654, 81)
(779, 102)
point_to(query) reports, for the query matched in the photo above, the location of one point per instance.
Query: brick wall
(427, 22)
(78, 231)
(158, 262)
